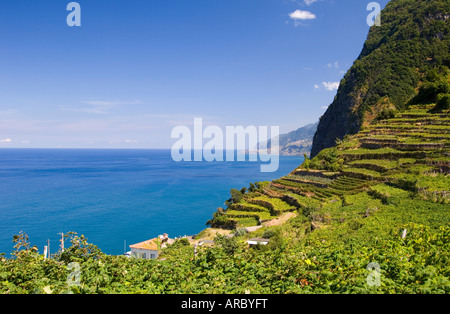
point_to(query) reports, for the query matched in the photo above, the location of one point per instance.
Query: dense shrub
(327, 159)
(442, 102)
(386, 114)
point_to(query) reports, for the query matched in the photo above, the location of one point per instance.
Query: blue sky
(136, 69)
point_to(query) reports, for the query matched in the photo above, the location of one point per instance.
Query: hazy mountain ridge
(295, 143)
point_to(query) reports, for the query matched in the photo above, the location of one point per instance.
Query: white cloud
(331, 85)
(316, 86)
(6, 140)
(302, 15)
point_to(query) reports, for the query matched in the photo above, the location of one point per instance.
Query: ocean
(114, 197)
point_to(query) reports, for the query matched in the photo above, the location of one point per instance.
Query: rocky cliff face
(413, 38)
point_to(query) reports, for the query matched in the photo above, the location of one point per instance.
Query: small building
(205, 243)
(256, 241)
(150, 249)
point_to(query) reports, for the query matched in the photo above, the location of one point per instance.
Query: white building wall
(142, 253)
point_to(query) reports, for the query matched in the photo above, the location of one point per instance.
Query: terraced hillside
(408, 153)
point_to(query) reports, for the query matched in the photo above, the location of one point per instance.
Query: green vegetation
(442, 102)
(328, 159)
(376, 164)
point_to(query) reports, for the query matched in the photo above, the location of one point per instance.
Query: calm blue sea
(112, 196)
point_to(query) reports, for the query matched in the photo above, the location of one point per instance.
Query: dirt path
(210, 234)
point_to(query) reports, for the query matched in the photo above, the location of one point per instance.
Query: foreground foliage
(419, 264)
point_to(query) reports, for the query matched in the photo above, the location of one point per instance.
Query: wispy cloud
(100, 107)
(9, 112)
(118, 129)
(106, 103)
(331, 85)
(334, 65)
(309, 2)
(91, 110)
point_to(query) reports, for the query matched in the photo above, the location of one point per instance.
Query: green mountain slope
(413, 38)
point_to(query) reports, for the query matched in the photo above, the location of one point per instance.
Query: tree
(229, 245)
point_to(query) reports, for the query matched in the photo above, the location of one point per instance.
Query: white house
(256, 241)
(150, 249)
